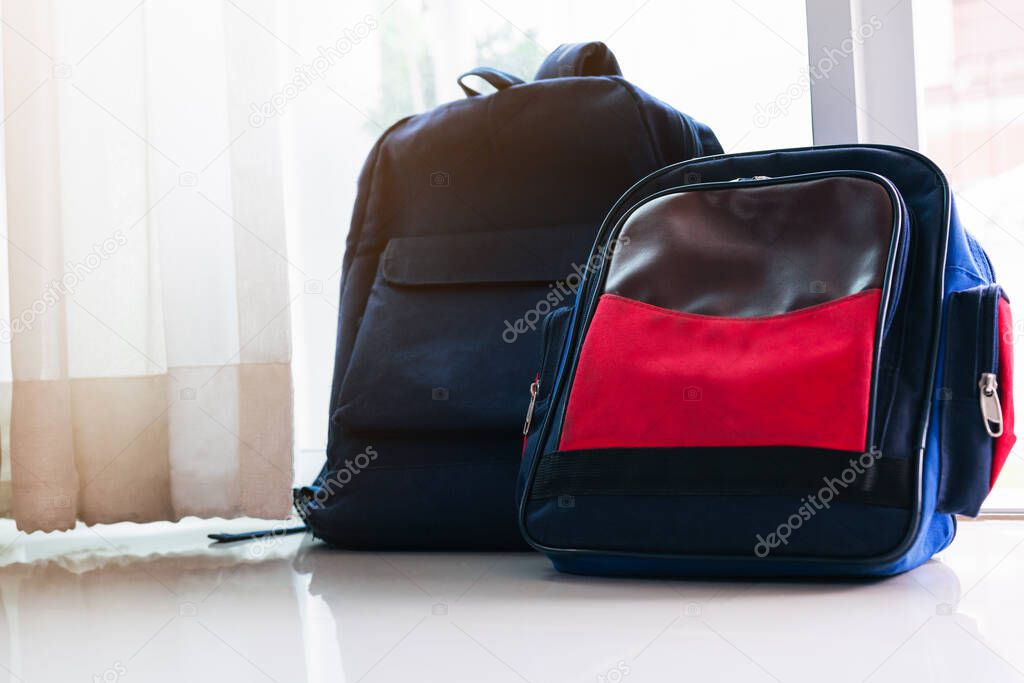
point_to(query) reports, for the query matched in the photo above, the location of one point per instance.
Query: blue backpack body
(878, 376)
(472, 221)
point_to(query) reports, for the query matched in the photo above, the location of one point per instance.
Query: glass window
(970, 65)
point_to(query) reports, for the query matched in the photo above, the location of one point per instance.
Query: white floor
(158, 603)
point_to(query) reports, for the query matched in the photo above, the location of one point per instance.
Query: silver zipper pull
(991, 409)
(534, 388)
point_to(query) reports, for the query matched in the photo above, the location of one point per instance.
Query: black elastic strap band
(866, 478)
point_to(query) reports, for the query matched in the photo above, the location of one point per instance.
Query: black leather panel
(756, 250)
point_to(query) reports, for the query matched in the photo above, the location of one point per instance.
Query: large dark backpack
(472, 222)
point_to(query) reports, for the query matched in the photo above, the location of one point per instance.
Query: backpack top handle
(569, 59)
(579, 59)
(495, 77)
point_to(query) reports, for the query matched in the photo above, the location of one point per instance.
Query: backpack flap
(450, 321)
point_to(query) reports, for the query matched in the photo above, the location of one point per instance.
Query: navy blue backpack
(472, 222)
(793, 362)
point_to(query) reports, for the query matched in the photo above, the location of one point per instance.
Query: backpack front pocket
(656, 378)
(976, 398)
(745, 314)
(451, 327)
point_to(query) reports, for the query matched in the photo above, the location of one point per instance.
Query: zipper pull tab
(991, 409)
(534, 388)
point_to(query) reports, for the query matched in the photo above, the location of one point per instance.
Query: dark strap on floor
(753, 471)
(301, 497)
(260, 533)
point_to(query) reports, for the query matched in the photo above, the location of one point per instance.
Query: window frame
(878, 82)
(870, 80)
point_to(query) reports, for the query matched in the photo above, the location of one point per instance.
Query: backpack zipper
(991, 409)
(534, 390)
(988, 380)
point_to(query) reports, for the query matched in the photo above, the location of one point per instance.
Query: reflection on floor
(159, 603)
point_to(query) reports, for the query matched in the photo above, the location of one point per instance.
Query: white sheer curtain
(146, 361)
(157, 384)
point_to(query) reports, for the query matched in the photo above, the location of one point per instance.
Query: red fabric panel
(1003, 444)
(650, 377)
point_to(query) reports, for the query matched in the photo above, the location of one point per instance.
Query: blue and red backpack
(793, 362)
